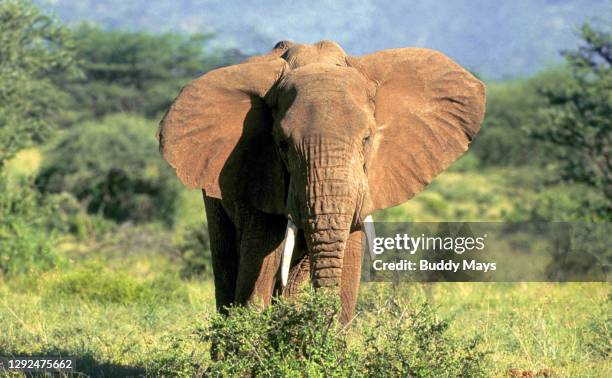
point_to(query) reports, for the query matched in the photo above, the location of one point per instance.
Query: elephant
(295, 149)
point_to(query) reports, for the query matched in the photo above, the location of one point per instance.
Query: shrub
(298, 338)
(511, 106)
(191, 237)
(26, 244)
(302, 338)
(469, 162)
(69, 216)
(414, 343)
(559, 203)
(100, 285)
(581, 251)
(113, 168)
(180, 355)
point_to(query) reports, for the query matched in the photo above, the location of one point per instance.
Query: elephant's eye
(366, 138)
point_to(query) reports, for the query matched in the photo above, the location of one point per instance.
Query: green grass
(98, 285)
(119, 307)
(527, 326)
(107, 338)
(532, 326)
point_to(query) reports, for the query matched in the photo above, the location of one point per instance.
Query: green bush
(559, 203)
(69, 216)
(191, 240)
(298, 338)
(26, 243)
(100, 285)
(414, 343)
(502, 140)
(576, 121)
(469, 162)
(113, 168)
(581, 252)
(301, 338)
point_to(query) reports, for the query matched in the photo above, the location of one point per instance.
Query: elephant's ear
(427, 110)
(217, 133)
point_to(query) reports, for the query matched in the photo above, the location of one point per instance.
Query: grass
(107, 338)
(530, 326)
(119, 307)
(98, 285)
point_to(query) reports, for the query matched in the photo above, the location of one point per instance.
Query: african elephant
(296, 148)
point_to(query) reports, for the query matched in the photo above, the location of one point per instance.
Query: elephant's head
(322, 137)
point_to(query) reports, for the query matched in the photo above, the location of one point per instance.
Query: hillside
(495, 39)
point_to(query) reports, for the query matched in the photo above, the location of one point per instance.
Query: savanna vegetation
(104, 257)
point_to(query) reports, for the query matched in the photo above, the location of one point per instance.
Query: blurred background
(93, 218)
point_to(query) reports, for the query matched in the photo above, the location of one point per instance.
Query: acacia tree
(35, 51)
(577, 119)
(136, 72)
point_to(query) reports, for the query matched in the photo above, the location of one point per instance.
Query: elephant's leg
(224, 253)
(351, 275)
(261, 237)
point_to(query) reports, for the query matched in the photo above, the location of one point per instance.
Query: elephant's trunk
(326, 236)
(330, 204)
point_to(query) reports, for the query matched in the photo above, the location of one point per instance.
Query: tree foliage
(35, 50)
(134, 72)
(512, 107)
(577, 119)
(113, 168)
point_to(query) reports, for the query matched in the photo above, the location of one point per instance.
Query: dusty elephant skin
(295, 148)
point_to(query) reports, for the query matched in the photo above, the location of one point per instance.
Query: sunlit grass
(530, 326)
(106, 308)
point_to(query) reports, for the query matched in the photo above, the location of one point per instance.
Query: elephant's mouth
(366, 224)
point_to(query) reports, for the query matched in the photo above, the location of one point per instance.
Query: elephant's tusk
(368, 225)
(288, 245)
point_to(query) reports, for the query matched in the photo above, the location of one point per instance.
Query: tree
(577, 118)
(512, 107)
(35, 50)
(35, 53)
(135, 72)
